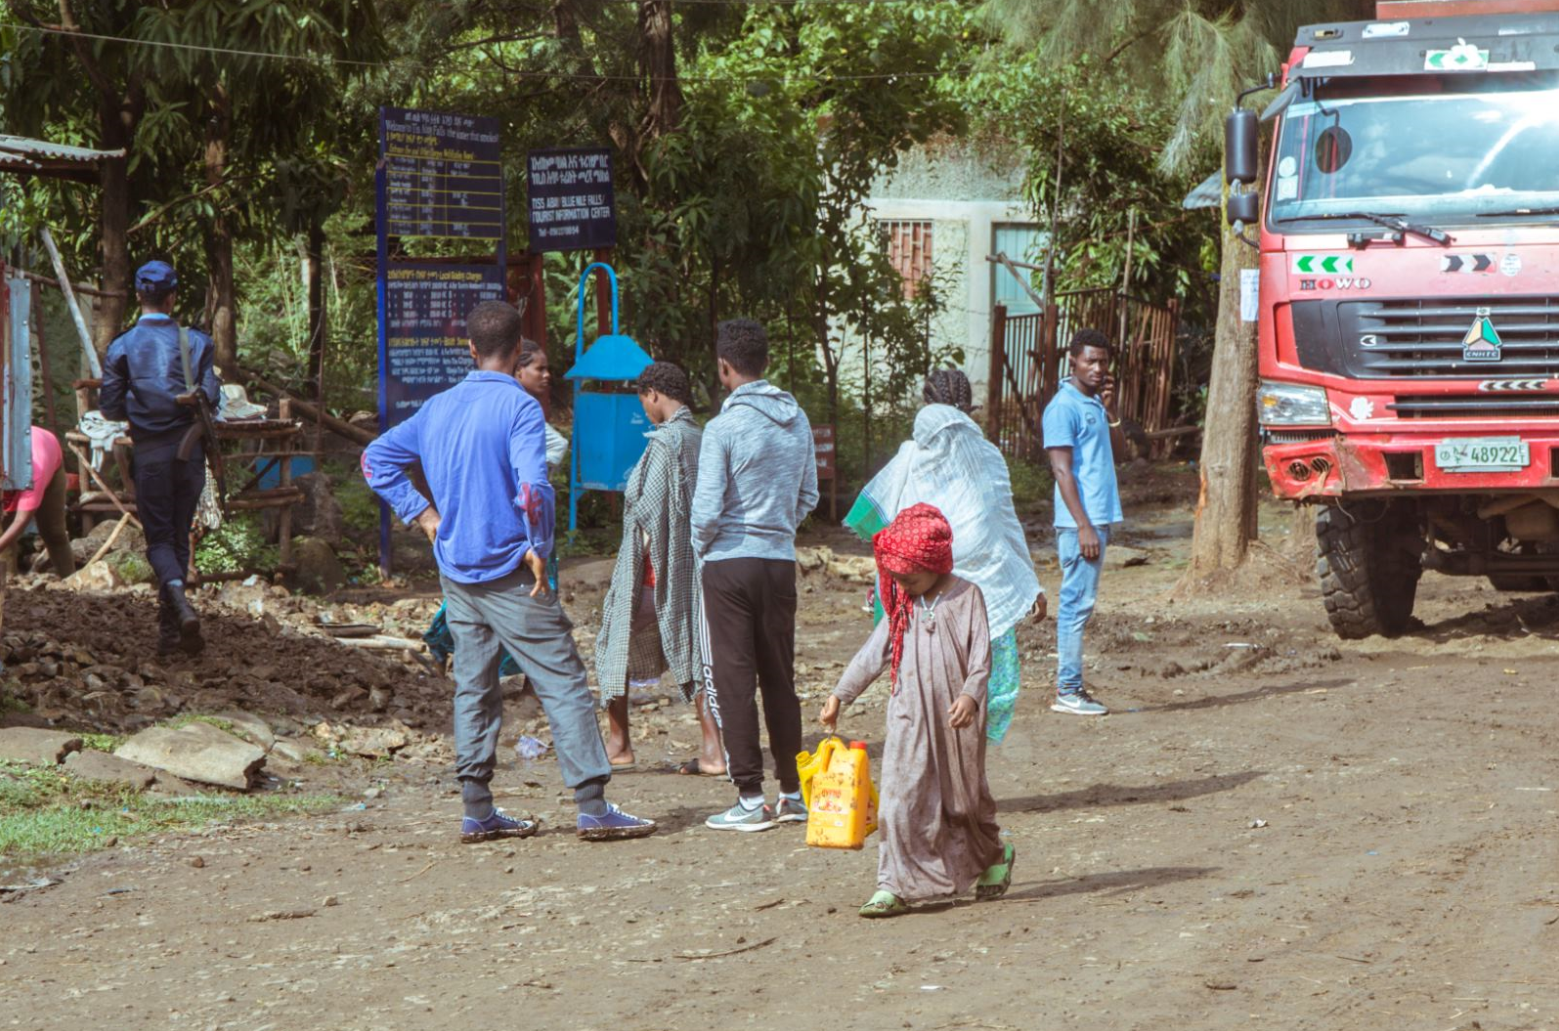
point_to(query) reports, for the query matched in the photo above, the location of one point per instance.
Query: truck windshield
(1451, 150)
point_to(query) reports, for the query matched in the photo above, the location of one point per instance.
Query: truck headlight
(1292, 404)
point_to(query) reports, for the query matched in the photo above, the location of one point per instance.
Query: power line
(325, 61)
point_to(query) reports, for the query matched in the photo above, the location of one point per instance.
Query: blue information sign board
(572, 206)
(425, 344)
(439, 175)
(442, 175)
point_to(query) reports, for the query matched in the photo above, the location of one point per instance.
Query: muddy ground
(1273, 829)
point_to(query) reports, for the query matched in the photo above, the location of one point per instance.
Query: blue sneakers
(495, 826)
(614, 826)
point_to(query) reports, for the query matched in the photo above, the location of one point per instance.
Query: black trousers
(749, 648)
(167, 493)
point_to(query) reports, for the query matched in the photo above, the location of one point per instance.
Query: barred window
(909, 249)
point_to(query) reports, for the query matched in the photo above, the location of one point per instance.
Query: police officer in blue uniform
(145, 383)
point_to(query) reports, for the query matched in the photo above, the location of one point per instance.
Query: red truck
(1408, 301)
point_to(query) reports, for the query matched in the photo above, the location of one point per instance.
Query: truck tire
(1368, 572)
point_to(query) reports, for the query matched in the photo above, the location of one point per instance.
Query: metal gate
(1029, 360)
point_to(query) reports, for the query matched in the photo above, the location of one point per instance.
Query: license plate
(1482, 455)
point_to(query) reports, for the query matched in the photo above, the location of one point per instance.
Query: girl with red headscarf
(938, 819)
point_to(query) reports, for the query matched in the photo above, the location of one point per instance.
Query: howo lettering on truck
(1408, 323)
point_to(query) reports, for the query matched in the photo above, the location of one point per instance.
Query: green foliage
(1031, 486)
(101, 742)
(131, 566)
(238, 544)
(9, 701)
(46, 811)
(359, 504)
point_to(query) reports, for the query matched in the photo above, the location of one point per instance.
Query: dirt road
(1273, 829)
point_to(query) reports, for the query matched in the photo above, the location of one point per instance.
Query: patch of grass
(588, 542)
(45, 810)
(102, 742)
(10, 702)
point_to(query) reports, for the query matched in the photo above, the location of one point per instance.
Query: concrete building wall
(965, 193)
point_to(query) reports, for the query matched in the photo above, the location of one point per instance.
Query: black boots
(168, 639)
(178, 623)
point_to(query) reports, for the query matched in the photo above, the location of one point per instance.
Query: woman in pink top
(43, 501)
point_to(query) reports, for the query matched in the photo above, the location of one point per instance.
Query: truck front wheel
(1369, 570)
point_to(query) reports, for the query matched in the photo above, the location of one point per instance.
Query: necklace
(928, 611)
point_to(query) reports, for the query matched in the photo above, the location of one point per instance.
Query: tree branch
(99, 81)
(1125, 45)
(499, 39)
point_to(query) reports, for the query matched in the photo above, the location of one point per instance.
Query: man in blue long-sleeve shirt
(149, 382)
(482, 446)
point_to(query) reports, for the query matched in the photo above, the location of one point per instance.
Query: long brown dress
(935, 810)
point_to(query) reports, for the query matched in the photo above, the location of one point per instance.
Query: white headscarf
(951, 465)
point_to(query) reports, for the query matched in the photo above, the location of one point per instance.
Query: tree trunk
(1225, 511)
(314, 289)
(114, 218)
(222, 305)
(658, 64)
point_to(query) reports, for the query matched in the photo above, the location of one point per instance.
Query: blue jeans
(1079, 589)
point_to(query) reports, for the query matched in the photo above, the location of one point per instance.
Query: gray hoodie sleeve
(709, 494)
(809, 496)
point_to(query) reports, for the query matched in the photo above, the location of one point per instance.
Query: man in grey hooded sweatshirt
(757, 479)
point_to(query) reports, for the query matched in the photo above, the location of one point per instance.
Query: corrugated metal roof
(40, 157)
(1207, 194)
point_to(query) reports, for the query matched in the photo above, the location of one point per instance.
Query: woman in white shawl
(951, 465)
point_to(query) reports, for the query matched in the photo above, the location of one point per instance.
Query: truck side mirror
(1244, 207)
(1240, 134)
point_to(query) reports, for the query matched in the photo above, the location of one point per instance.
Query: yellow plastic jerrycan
(842, 804)
(810, 764)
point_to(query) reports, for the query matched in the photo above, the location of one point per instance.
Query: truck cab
(1408, 318)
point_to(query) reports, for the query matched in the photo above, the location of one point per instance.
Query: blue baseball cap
(154, 277)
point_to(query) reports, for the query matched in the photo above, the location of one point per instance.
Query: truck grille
(1389, 338)
(1475, 406)
(1423, 337)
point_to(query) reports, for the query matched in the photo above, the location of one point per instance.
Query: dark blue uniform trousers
(167, 492)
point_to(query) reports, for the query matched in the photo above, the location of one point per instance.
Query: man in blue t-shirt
(482, 448)
(1079, 425)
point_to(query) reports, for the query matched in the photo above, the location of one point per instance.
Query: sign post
(439, 176)
(571, 206)
(823, 445)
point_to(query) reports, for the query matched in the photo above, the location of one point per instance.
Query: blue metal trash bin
(609, 422)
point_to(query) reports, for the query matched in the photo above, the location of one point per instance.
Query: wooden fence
(1029, 360)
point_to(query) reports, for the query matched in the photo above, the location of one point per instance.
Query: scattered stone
(316, 568)
(251, 727)
(94, 765)
(1121, 556)
(348, 698)
(281, 914)
(37, 747)
(292, 751)
(330, 900)
(197, 751)
(198, 863)
(99, 576)
(373, 742)
(131, 567)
